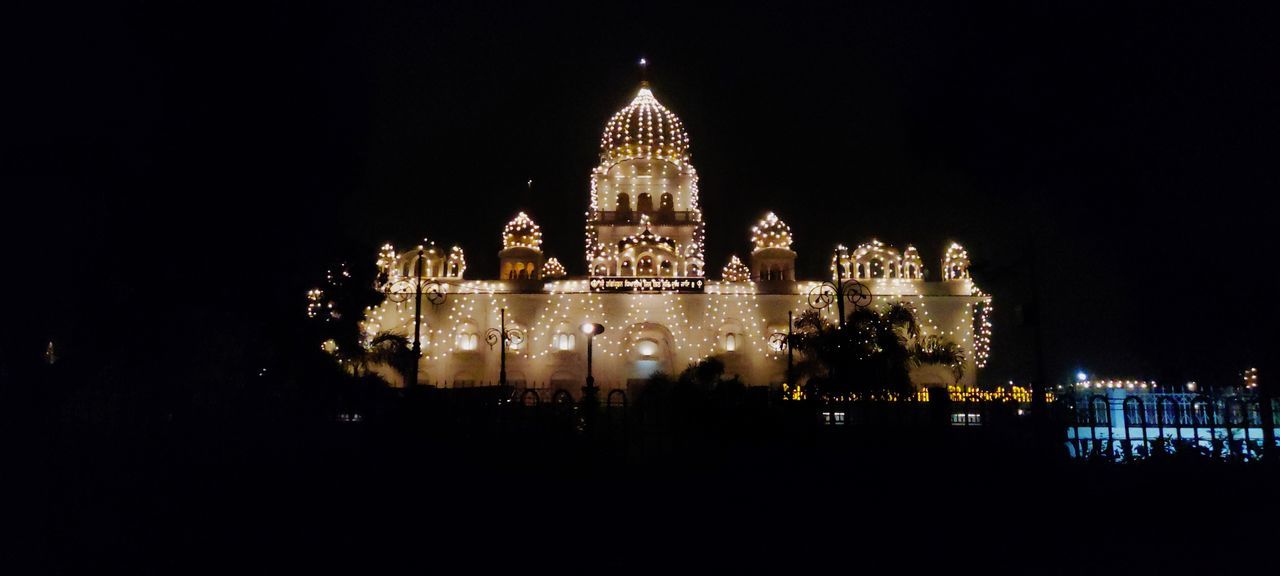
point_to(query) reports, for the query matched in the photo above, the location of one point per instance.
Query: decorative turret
(735, 271)
(772, 260)
(521, 255)
(435, 263)
(875, 260)
(912, 267)
(456, 264)
(552, 268)
(521, 232)
(955, 265)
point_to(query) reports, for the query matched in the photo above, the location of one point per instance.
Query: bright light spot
(647, 347)
(1081, 376)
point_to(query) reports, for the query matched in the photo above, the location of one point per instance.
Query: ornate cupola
(772, 259)
(644, 181)
(955, 263)
(521, 255)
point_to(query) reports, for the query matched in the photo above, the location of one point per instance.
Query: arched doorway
(649, 350)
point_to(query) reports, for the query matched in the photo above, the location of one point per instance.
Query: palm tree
(869, 354)
(936, 350)
(385, 349)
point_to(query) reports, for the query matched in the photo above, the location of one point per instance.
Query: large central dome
(644, 129)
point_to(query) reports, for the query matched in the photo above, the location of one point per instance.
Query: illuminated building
(647, 284)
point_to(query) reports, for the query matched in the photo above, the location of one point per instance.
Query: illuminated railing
(656, 217)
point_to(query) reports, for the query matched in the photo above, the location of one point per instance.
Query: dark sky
(186, 172)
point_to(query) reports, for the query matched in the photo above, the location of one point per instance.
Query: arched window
(624, 202)
(466, 339)
(666, 208)
(666, 267)
(644, 203)
(1134, 415)
(645, 265)
(730, 342)
(601, 270)
(563, 341)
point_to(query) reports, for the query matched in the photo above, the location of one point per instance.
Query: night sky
(186, 173)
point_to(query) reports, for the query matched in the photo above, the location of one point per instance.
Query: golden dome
(771, 232)
(521, 232)
(645, 129)
(736, 271)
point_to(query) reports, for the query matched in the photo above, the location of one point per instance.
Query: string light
(771, 232)
(955, 264)
(552, 269)
(644, 219)
(521, 232)
(735, 271)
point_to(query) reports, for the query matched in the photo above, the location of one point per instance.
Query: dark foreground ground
(209, 497)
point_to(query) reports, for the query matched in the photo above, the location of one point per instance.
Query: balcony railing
(657, 217)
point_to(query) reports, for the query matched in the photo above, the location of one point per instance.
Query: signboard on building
(643, 284)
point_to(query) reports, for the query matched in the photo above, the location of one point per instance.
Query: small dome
(552, 268)
(771, 232)
(645, 129)
(735, 271)
(521, 232)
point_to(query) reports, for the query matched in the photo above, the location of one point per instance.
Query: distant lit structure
(647, 286)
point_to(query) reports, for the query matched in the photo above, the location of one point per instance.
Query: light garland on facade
(644, 203)
(1114, 384)
(982, 336)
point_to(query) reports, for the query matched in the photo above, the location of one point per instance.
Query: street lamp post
(399, 291)
(591, 330)
(590, 402)
(417, 321)
(505, 337)
(781, 342)
(828, 293)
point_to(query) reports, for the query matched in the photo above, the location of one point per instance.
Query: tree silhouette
(869, 354)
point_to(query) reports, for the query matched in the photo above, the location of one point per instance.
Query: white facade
(648, 286)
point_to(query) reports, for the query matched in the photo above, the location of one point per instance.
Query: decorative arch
(649, 347)
(875, 260)
(955, 264)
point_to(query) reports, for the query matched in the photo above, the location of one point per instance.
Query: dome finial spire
(644, 70)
